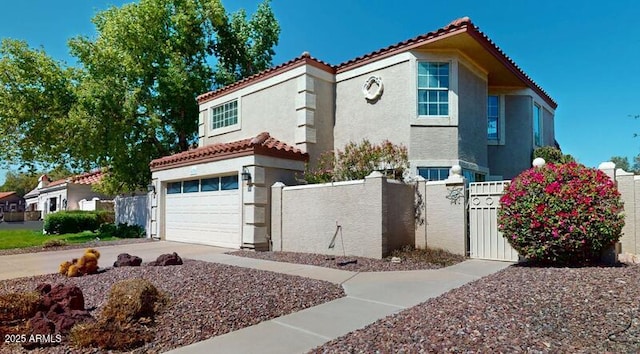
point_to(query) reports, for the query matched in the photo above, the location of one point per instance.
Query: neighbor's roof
(262, 144)
(461, 25)
(92, 177)
(6, 194)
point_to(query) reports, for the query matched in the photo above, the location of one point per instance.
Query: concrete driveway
(48, 262)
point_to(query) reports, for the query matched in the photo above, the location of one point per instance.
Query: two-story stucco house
(451, 96)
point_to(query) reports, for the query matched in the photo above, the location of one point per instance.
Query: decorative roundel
(372, 88)
(475, 201)
(489, 201)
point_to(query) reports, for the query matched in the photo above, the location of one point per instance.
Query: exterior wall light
(151, 188)
(246, 175)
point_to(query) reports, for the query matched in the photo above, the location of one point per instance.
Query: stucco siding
(323, 119)
(472, 117)
(514, 156)
(548, 133)
(387, 118)
(400, 219)
(272, 110)
(433, 143)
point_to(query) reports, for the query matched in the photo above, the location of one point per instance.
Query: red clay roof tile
(459, 25)
(262, 144)
(303, 59)
(92, 177)
(6, 194)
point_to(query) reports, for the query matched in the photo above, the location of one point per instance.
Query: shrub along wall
(64, 222)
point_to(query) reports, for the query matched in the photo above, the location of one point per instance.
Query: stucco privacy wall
(629, 188)
(441, 215)
(305, 218)
(376, 216)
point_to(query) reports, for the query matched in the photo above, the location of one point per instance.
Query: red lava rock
(127, 260)
(69, 297)
(62, 307)
(167, 259)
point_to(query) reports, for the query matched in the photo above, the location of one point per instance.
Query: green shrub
(66, 222)
(552, 154)
(561, 214)
(121, 231)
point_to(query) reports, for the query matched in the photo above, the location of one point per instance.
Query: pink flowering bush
(562, 214)
(356, 161)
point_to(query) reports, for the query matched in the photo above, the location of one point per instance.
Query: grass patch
(10, 239)
(428, 255)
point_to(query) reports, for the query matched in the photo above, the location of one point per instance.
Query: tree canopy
(131, 96)
(623, 163)
(25, 181)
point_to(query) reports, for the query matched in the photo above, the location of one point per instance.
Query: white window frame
(228, 128)
(539, 118)
(445, 57)
(435, 89)
(501, 120)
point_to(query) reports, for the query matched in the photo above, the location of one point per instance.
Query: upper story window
(433, 89)
(537, 125)
(224, 115)
(493, 117)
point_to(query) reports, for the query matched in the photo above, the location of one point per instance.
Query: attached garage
(219, 194)
(205, 211)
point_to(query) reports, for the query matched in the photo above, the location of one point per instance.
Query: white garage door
(204, 211)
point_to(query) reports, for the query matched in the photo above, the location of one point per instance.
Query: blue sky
(584, 54)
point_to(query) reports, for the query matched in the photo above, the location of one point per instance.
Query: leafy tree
(24, 182)
(552, 155)
(132, 96)
(621, 162)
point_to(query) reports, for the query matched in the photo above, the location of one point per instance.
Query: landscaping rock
(61, 308)
(127, 260)
(69, 297)
(167, 259)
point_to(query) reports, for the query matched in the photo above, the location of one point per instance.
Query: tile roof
(304, 59)
(6, 194)
(262, 144)
(92, 177)
(457, 26)
(463, 24)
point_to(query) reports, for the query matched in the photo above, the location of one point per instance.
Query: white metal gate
(485, 241)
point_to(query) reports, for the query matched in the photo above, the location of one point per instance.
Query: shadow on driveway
(21, 225)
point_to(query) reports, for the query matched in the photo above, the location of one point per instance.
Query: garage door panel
(207, 217)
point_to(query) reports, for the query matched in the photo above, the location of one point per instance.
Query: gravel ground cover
(518, 310)
(206, 299)
(410, 261)
(96, 243)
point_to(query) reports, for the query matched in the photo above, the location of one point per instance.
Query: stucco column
(254, 202)
(276, 216)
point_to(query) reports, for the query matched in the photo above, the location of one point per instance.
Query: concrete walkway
(370, 296)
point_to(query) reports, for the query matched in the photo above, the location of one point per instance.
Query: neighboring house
(63, 194)
(451, 96)
(11, 202)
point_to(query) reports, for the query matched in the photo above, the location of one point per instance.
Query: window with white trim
(493, 117)
(224, 115)
(442, 173)
(433, 88)
(537, 124)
